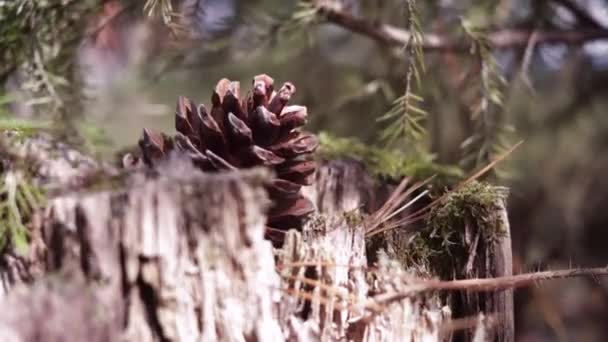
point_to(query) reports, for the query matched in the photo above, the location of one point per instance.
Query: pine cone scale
(301, 144)
(188, 120)
(290, 213)
(240, 133)
(280, 188)
(266, 126)
(211, 136)
(298, 172)
(218, 162)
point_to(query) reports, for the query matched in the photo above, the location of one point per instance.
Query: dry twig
(489, 284)
(501, 39)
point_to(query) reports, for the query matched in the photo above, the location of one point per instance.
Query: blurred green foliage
(38, 41)
(19, 199)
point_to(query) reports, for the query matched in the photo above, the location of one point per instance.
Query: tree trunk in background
(346, 185)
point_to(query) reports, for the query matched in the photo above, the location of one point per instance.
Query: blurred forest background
(407, 85)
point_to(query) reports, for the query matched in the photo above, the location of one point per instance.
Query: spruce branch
(407, 116)
(490, 133)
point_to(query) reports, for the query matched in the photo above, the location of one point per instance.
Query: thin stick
(488, 284)
(469, 322)
(396, 198)
(310, 297)
(317, 263)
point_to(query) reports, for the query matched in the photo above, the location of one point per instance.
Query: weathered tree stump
(178, 258)
(181, 256)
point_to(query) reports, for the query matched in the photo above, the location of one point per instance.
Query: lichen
(353, 218)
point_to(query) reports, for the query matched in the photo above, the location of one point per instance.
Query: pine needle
(421, 213)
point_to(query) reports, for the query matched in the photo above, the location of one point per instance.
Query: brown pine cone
(260, 130)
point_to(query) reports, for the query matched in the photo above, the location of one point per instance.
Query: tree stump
(178, 258)
(181, 256)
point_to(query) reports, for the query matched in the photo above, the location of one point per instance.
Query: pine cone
(260, 130)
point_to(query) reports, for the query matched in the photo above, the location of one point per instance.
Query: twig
(526, 61)
(469, 322)
(108, 20)
(501, 39)
(581, 15)
(378, 303)
(489, 284)
(319, 263)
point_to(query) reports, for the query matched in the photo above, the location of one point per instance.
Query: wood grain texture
(178, 258)
(490, 259)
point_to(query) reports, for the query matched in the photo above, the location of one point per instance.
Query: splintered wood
(326, 269)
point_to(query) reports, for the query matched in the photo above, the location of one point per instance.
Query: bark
(171, 259)
(54, 166)
(345, 185)
(490, 259)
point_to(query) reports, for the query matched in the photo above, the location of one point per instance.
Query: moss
(441, 245)
(477, 200)
(353, 218)
(23, 128)
(385, 162)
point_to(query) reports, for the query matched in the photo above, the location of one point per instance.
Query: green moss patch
(385, 162)
(441, 245)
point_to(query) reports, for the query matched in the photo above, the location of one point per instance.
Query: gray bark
(171, 259)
